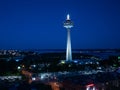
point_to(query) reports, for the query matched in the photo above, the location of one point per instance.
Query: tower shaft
(68, 50)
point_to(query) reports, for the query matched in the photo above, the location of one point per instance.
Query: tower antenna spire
(68, 17)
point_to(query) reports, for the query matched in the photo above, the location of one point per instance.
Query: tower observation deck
(68, 24)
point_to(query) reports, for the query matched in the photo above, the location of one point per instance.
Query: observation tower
(68, 24)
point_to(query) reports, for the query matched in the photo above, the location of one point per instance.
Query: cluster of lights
(20, 67)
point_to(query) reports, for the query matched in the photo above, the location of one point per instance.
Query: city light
(89, 85)
(33, 78)
(75, 61)
(18, 67)
(62, 62)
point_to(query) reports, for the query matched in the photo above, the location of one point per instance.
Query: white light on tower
(68, 17)
(68, 24)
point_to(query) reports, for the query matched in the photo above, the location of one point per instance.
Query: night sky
(38, 24)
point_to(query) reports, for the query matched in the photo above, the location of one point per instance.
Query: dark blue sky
(38, 24)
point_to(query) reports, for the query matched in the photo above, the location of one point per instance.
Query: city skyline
(38, 24)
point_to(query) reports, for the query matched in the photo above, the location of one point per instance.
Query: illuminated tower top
(68, 23)
(68, 17)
